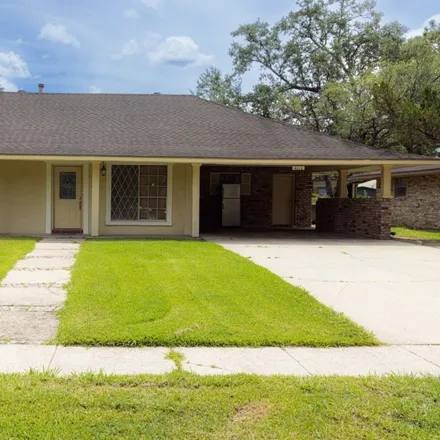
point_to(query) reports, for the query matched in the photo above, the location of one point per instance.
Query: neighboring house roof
(176, 126)
(371, 184)
(397, 172)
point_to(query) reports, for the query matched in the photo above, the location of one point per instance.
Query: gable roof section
(172, 126)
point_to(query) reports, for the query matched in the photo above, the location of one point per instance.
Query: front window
(139, 193)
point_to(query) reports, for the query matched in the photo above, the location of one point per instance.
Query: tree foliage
(333, 66)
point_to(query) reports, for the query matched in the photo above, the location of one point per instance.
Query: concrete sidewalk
(353, 361)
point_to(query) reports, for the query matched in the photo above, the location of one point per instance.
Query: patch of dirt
(244, 418)
(251, 412)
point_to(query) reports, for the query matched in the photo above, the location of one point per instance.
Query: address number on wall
(298, 168)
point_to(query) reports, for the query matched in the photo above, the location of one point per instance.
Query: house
(106, 165)
(416, 195)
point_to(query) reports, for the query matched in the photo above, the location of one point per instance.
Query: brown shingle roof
(158, 126)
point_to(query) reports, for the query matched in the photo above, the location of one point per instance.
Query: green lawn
(183, 406)
(12, 250)
(416, 233)
(171, 293)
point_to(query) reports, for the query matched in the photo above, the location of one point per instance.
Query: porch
(175, 197)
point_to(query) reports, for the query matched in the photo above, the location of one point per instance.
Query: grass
(188, 293)
(12, 250)
(416, 233)
(184, 406)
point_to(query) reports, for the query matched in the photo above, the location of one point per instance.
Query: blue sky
(138, 46)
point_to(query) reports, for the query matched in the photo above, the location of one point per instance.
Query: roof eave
(227, 161)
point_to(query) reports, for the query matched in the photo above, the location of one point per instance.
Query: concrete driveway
(389, 287)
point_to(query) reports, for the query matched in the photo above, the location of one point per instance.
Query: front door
(67, 198)
(282, 200)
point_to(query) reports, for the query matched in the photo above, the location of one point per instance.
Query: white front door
(67, 204)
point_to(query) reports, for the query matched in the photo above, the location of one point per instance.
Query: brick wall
(256, 209)
(420, 209)
(370, 218)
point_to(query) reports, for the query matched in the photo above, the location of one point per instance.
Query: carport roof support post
(342, 184)
(195, 227)
(385, 187)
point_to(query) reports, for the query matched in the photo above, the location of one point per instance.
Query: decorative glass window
(139, 193)
(67, 185)
(400, 188)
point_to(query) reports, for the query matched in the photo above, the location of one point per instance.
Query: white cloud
(419, 31)
(12, 66)
(131, 14)
(179, 51)
(129, 49)
(59, 34)
(155, 4)
(94, 89)
(45, 56)
(7, 85)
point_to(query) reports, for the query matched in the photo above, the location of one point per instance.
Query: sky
(139, 46)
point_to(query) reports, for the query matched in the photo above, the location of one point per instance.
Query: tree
(407, 95)
(396, 105)
(333, 67)
(223, 89)
(325, 40)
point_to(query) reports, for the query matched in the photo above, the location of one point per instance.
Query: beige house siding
(181, 209)
(22, 197)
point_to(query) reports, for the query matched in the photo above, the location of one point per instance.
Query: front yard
(12, 250)
(186, 293)
(183, 406)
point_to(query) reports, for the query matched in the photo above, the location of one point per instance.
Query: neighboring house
(156, 164)
(367, 189)
(416, 195)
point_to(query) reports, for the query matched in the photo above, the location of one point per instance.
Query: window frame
(400, 183)
(169, 218)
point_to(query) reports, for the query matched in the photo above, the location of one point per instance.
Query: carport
(273, 197)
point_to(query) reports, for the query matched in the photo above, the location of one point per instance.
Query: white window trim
(167, 222)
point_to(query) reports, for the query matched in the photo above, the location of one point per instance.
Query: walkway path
(33, 290)
(354, 361)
